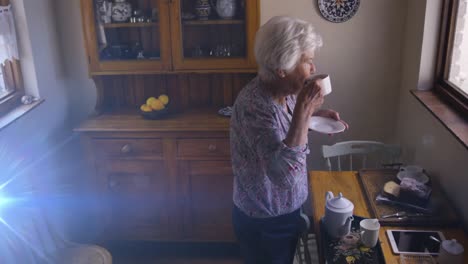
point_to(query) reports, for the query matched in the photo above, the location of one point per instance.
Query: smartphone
(424, 242)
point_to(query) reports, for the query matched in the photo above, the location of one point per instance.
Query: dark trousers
(267, 240)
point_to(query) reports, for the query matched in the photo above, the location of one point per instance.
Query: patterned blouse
(270, 178)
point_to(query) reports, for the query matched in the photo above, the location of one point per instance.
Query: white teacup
(369, 232)
(325, 83)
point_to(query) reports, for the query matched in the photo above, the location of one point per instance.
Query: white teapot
(338, 215)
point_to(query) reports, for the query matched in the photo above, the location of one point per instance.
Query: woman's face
(303, 70)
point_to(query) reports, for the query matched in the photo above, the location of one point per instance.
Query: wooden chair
(306, 249)
(371, 154)
(29, 237)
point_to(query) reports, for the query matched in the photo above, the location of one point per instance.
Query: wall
(80, 88)
(40, 67)
(425, 140)
(41, 129)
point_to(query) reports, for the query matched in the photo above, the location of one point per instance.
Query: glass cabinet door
(129, 35)
(214, 34)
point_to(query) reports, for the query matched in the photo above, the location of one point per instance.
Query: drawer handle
(113, 185)
(211, 147)
(127, 148)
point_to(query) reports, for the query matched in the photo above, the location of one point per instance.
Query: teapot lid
(340, 203)
(452, 247)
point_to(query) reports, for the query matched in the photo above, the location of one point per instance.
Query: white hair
(280, 44)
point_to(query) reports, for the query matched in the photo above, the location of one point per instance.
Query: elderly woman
(269, 127)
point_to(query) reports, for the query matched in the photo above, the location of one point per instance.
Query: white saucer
(418, 176)
(326, 125)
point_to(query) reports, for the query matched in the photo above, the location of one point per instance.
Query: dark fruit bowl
(155, 114)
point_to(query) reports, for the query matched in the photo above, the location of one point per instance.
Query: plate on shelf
(226, 111)
(326, 125)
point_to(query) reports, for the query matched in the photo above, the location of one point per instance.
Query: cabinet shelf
(213, 22)
(129, 120)
(130, 25)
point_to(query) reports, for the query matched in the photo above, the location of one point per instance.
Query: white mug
(325, 83)
(369, 232)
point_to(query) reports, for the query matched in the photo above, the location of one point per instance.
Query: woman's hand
(330, 113)
(308, 100)
(310, 97)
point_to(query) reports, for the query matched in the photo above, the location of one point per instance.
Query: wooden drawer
(128, 147)
(213, 147)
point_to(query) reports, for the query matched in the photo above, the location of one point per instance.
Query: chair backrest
(34, 237)
(376, 153)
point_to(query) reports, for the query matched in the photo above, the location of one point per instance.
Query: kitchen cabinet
(134, 199)
(166, 36)
(168, 179)
(208, 203)
(161, 180)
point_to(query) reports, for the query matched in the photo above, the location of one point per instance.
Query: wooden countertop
(132, 121)
(347, 182)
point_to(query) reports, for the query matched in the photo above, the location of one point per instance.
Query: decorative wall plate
(338, 11)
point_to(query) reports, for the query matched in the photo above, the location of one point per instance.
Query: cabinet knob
(113, 184)
(211, 147)
(127, 148)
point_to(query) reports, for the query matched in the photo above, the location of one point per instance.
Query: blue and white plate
(226, 111)
(338, 11)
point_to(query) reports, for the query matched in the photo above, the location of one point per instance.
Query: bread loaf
(414, 192)
(392, 189)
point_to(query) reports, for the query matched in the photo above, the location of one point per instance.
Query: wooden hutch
(167, 179)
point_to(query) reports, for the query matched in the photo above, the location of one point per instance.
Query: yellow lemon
(350, 259)
(156, 104)
(149, 100)
(164, 98)
(145, 108)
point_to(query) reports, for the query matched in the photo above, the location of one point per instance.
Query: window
(452, 68)
(11, 87)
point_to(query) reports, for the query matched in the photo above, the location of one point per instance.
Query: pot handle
(329, 195)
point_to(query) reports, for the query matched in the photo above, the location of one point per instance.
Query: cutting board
(373, 180)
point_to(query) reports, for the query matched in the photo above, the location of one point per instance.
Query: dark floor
(174, 253)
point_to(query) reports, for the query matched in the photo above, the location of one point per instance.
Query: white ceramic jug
(121, 11)
(226, 9)
(338, 215)
(451, 252)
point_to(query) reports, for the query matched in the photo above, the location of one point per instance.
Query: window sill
(16, 113)
(452, 120)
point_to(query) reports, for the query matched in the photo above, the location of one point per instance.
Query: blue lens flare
(29, 184)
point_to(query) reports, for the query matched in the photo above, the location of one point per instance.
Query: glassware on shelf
(202, 9)
(154, 14)
(221, 50)
(198, 52)
(104, 10)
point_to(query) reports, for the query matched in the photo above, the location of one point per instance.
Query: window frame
(13, 72)
(444, 89)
